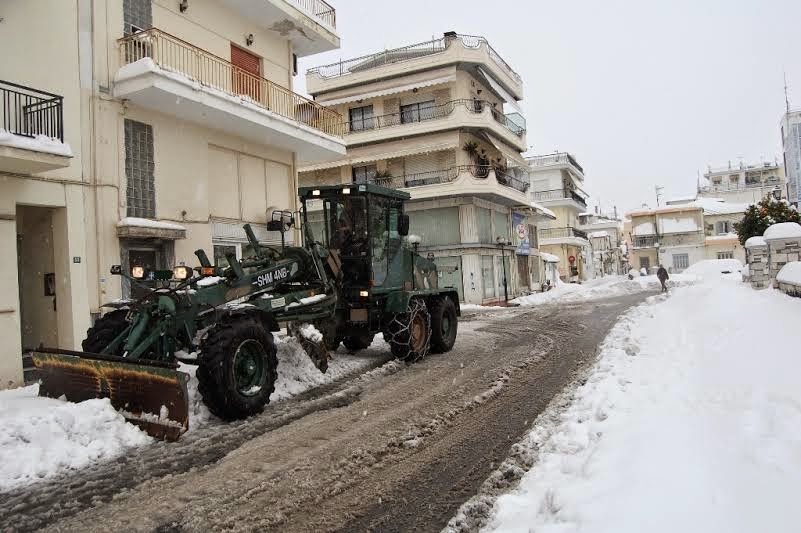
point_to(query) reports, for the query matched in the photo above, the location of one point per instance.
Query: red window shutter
(247, 83)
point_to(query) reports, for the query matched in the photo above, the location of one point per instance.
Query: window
(681, 261)
(137, 15)
(484, 219)
(438, 226)
(501, 221)
(722, 227)
(361, 118)
(417, 112)
(139, 168)
(488, 276)
(364, 174)
(725, 255)
(385, 241)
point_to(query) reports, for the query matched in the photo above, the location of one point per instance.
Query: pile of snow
(790, 273)
(549, 258)
(38, 143)
(41, 437)
(209, 281)
(689, 421)
(755, 241)
(783, 230)
(715, 268)
(599, 288)
(137, 222)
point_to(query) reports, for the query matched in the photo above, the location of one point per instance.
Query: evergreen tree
(760, 217)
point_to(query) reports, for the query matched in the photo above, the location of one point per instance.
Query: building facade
(744, 183)
(429, 119)
(557, 182)
(609, 250)
(791, 149)
(174, 123)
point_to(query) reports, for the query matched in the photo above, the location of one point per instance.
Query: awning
(508, 152)
(391, 90)
(145, 228)
(503, 93)
(389, 154)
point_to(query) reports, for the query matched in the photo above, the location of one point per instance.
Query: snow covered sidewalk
(690, 421)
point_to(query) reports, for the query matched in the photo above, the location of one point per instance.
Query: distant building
(791, 146)
(609, 249)
(743, 183)
(557, 182)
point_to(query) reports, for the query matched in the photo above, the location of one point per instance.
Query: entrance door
(522, 271)
(645, 262)
(246, 73)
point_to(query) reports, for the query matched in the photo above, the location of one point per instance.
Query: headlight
(364, 294)
(181, 272)
(138, 272)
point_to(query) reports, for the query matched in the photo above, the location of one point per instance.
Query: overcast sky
(641, 92)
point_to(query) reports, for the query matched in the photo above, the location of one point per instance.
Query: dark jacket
(662, 273)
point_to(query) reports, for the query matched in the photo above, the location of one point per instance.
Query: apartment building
(557, 182)
(609, 250)
(430, 119)
(137, 131)
(742, 183)
(791, 149)
(682, 234)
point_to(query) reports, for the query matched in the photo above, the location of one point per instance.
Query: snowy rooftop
(755, 241)
(712, 206)
(783, 230)
(549, 258)
(544, 210)
(599, 234)
(724, 237)
(147, 223)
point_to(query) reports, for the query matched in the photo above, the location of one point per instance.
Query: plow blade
(150, 394)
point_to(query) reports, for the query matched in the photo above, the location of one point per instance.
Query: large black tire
(409, 333)
(444, 324)
(362, 342)
(106, 329)
(238, 368)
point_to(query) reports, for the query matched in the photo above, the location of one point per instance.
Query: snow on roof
(39, 143)
(147, 223)
(783, 230)
(544, 210)
(790, 273)
(549, 258)
(680, 200)
(755, 241)
(723, 237)
(599, 234)
(713, 206)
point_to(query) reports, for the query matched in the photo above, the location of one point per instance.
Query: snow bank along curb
(687, 422)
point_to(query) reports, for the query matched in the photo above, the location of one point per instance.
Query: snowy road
(398, 448)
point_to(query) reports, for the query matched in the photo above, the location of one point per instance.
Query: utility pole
(658, 191)
(786, 97)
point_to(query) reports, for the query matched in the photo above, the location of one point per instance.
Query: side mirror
(403, 225)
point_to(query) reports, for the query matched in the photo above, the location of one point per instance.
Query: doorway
(152, 254)
(37, 277)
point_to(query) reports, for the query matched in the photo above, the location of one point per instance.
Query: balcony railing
(645, 241)
(406, 53)
(320, 10)
(514, 122)
(31, 112)
(562, 158)
(177, 56)
(510, 180)
(562, 233)
(733, 187)
(559, 194)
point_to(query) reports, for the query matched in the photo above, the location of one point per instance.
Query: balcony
(645, 241)
(166, 74)
(557, 159)
(463, 113)
(450, 49)
(558, 196)
(461, 180)
(309, 24)
(568, 235)
(31, 130)
(772, 182)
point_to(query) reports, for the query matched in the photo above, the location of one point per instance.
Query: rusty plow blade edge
(150, 395)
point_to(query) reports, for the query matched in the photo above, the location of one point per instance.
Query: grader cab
(357, 274)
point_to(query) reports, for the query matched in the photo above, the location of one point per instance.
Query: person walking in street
(662, 276)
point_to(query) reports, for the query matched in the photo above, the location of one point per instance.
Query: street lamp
(501, 242)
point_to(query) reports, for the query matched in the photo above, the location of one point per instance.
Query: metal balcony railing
(514, 122)
(560, 194)
(175, 55)
(555, 159)
(431, 177)
(320, 10)
(562, 233)
(409, 52)
(510, 180)
(645, 241)
(31, 112)
(733, 187)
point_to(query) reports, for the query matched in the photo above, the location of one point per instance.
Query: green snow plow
(357, 274)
